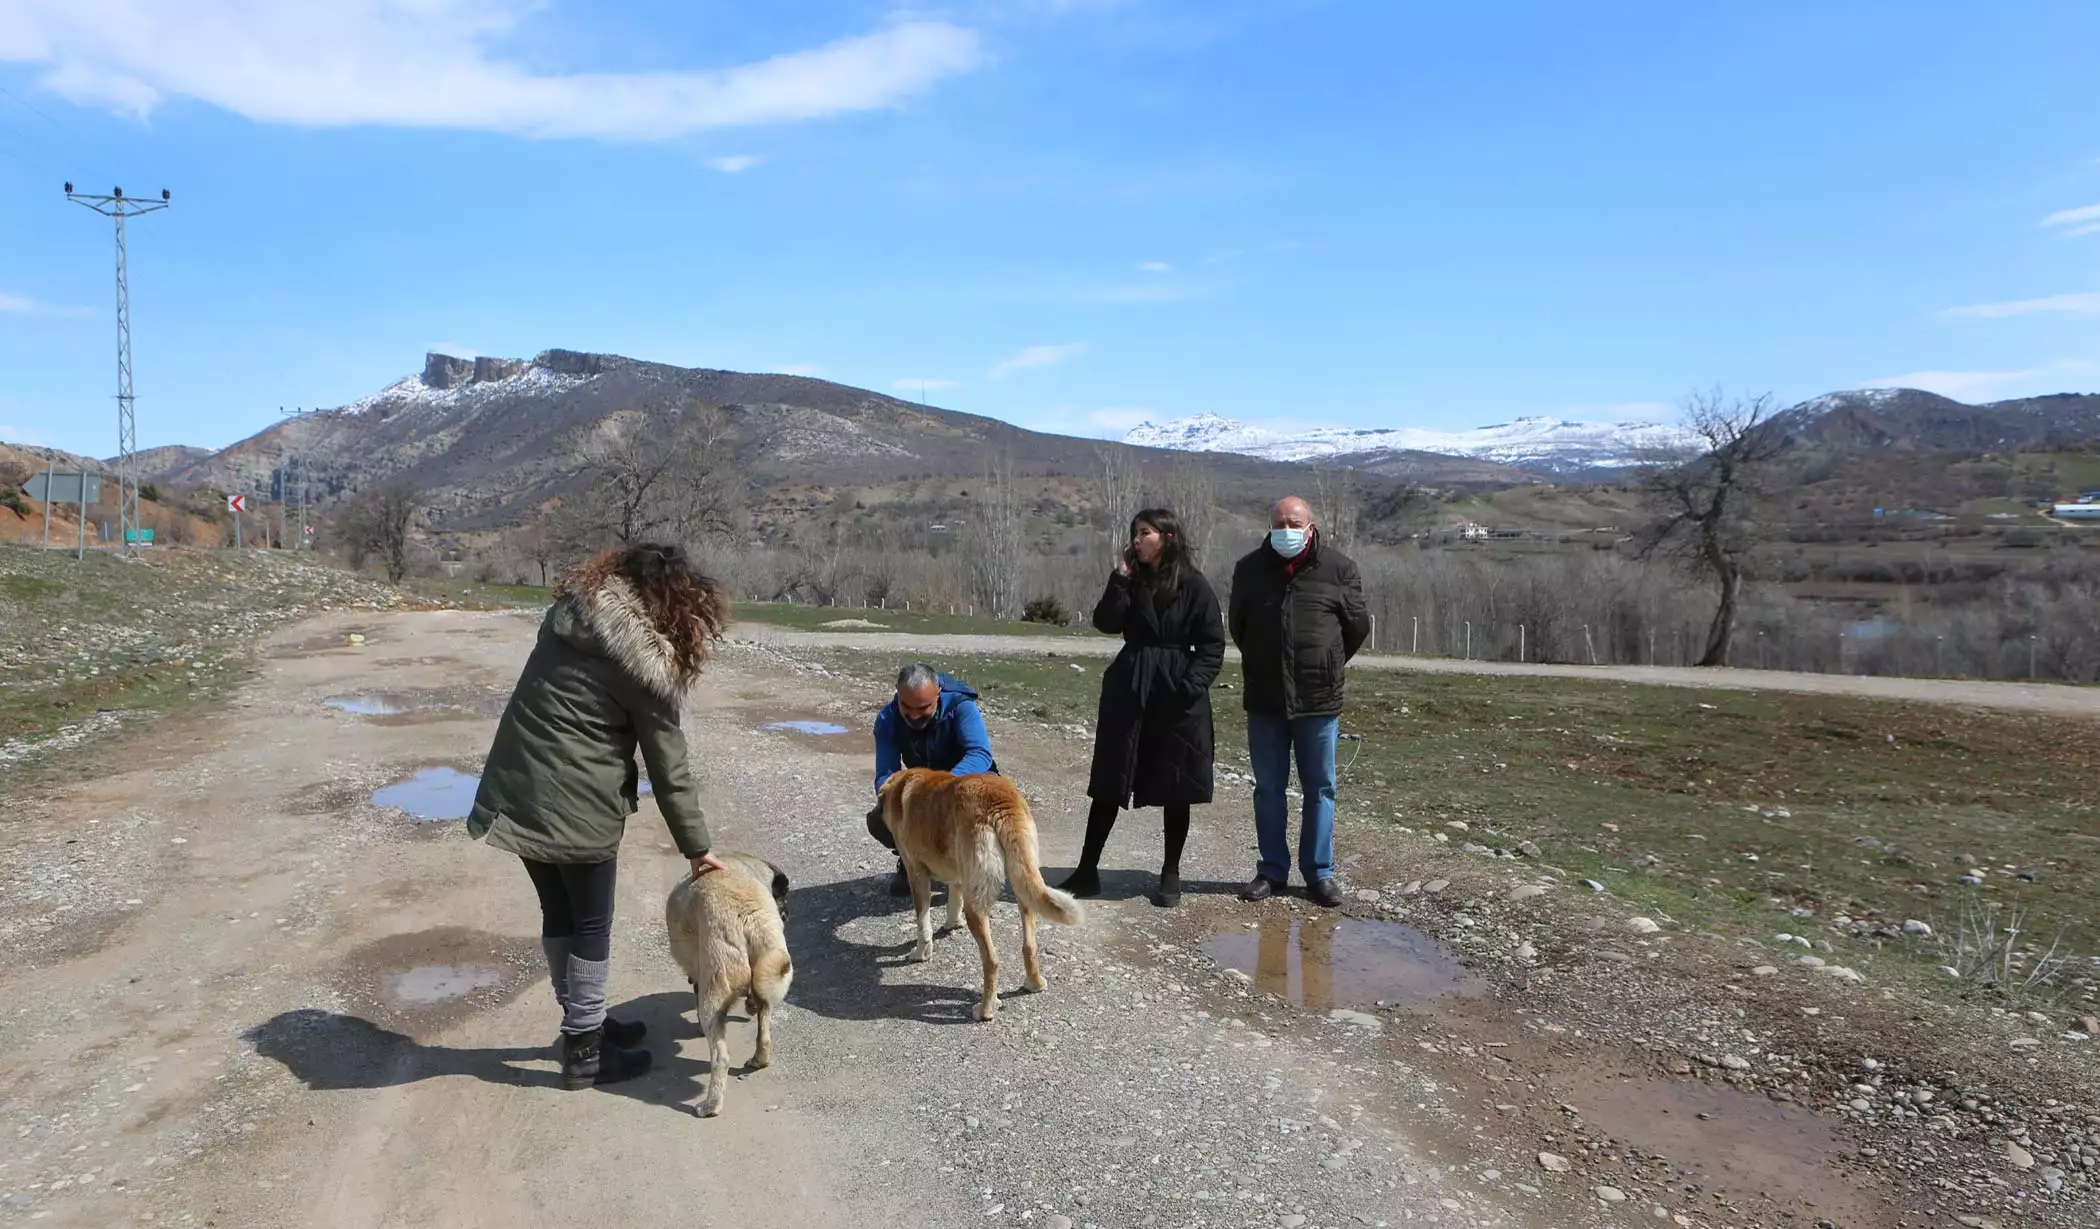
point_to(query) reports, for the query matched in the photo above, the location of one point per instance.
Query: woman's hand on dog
(707, 862)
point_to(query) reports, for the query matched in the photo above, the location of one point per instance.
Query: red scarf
(1301, 559)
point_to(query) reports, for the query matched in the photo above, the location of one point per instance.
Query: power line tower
(295, 470)
(119, 206)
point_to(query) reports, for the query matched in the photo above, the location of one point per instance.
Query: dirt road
(2056, 698)
(243, 995)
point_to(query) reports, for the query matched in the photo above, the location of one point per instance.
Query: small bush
(1046, 610)
(12, 500)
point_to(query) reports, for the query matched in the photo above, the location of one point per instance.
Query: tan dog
(972, 833)
(727, 934)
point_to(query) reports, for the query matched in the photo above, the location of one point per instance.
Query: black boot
(625, 1033)
(1169, 894)
(900, 883)
(587, 1060)
(1085, 881)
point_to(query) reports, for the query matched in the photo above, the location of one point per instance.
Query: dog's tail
(1015, 827)
(770, 974)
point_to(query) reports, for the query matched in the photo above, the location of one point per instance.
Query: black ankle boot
(625, 1033)
(900, 883)
(1169, 894)
(587, 1060)
(1085, 881)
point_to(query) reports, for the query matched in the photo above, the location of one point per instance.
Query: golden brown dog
(972, 833)
(727, 933)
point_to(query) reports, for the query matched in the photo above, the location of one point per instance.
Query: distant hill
(158, 463)
(487, 437)
(1530, 446)
(1907, 420)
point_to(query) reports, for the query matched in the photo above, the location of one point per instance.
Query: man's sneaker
(1324, 892)
(1261, 887)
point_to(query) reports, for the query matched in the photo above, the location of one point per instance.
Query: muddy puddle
(819, 733)
(412, 707)
(438, 976)
(442, 983)
(1324, 963)
(1731, 1143)
(431, 794)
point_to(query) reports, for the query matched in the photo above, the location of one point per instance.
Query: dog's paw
(760, 1061)
(922, 953)
(1036, 983)
(986, 1011)
(706, 1108)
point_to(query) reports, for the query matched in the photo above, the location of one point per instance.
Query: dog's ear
(780, 884)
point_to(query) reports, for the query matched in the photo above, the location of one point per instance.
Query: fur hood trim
(623, 629)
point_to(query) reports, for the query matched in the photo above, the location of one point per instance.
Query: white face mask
(1288, 542)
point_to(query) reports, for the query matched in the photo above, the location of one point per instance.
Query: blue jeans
(1271, 741)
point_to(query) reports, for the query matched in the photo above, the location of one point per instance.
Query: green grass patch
(813, 619)
(1724, 810)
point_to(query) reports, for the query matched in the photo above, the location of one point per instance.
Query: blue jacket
(955, 741)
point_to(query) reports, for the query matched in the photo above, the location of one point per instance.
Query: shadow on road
(331, 1051)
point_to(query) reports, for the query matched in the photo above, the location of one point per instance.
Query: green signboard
(139, 535)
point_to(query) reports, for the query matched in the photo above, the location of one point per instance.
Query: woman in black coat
(1153, 744)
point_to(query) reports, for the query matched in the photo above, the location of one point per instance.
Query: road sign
(309, 530)
(236, 503)
(54, 488)
(139, 536)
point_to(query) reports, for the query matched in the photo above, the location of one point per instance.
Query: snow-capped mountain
(1550, 445)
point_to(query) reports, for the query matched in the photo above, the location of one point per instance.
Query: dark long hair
(1176, 557)
(684, 603)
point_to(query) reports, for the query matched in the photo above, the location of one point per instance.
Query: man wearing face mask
(1297, 616)
(932, 723)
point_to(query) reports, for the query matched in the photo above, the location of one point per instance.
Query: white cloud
(799, 369)
(9, 433)
(1986, 385)
(1036, 356)
(1155, 266)
(913, 384)
(453, 349)
(2081, 304)
(435, 64)
(22, 305)
(2074, 217)
(735, 163)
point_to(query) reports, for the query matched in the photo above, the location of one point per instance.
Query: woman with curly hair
(618, 653)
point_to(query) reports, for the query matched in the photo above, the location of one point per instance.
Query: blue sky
(1073, 214)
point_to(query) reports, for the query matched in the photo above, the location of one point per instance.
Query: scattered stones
(1526, 952)
(1765, 970)
(1527, 891)
(1593, 885)
(1527, 849)
(1841, 973)
(2089, 1025)
(1290, 1220)
(1363, 1020)
(1642, 925)
(1435, 886)
(1915, 927)
(2018, 1157)
(1369, 896)
(1611, 1194)
(1735, 1062)
(1553, 1163)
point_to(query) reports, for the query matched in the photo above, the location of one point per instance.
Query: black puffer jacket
(1296, 630)
(1153, 741)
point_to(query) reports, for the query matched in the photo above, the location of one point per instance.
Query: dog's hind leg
(922, 902)
(763, 1055)
(1029, 960)
(717, 1065)
(981, 929)
(955, 909)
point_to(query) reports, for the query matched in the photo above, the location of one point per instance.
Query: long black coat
(1153, 742)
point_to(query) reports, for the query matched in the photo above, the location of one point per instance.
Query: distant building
(2076, 512)
(1471, 532)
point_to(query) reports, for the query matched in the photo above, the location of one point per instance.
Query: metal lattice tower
(119, 206)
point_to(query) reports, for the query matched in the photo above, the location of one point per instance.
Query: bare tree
(535, 542)
(1705, 502)
(653, 476)
(996, 541)
(1190, 492)
(378, 522)
(1338, 503)
(1118, 483)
